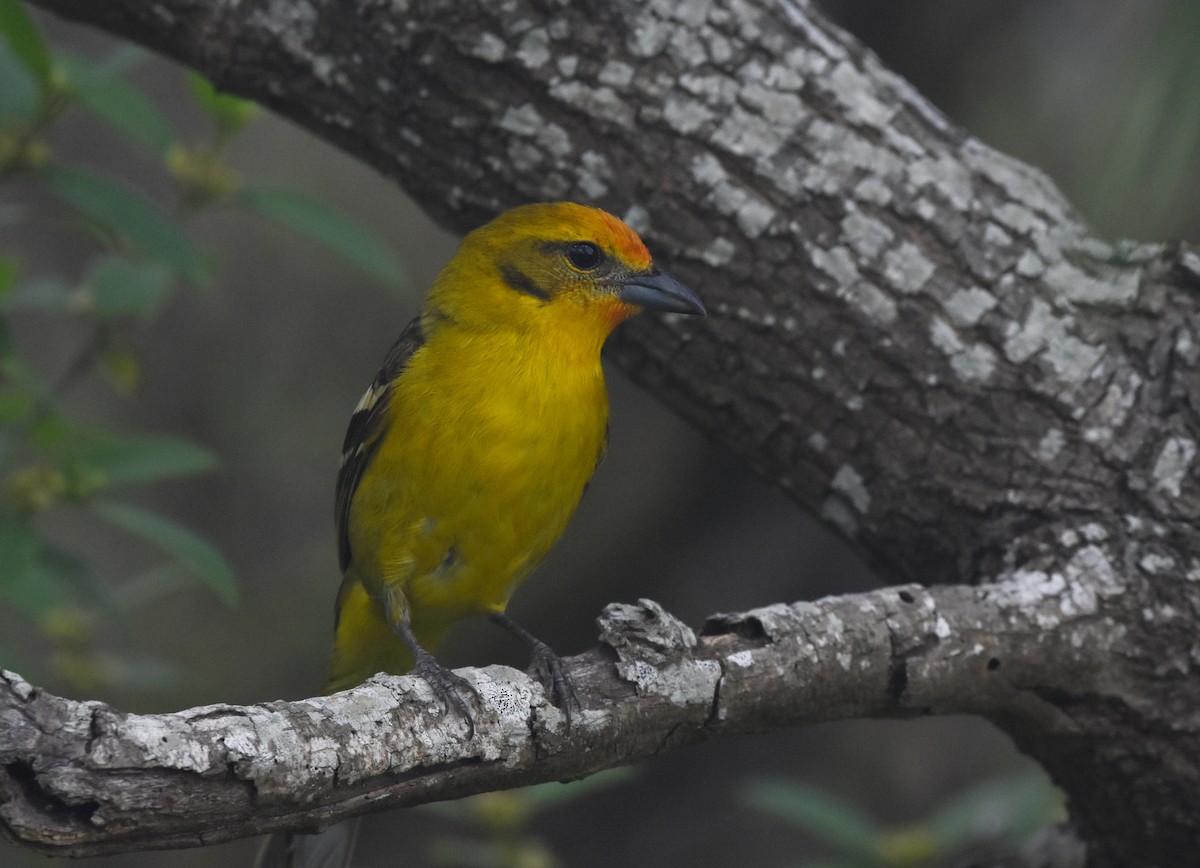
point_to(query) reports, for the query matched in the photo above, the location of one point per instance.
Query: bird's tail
(332, 848)
(365, 643)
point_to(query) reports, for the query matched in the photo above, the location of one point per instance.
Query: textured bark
(911, 333)
(81, 778)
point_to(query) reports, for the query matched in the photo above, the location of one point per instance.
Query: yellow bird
(467, 456)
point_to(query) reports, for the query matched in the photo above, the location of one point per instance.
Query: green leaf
(321, 223)
(119, 104)
(1009, 809)
(192, 552)
(818, 812)
(148, 458)
(122, 59)
(50, 431)
(122, 368)
(18, 377)
(24, 38)
(18, 546)
(150, 586)
(8, 274)
(76, 574)
(231, 113)
(122, 288)
(19, 93)
(15, 406)
(127, 213)
(26, 580)
(555, 792)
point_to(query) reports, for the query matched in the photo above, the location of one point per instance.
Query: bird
(466, 457)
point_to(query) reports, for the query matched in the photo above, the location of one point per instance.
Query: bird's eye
(584, 255)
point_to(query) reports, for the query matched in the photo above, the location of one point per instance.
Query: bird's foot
(555, 678)
(547, 665)
(447, 685)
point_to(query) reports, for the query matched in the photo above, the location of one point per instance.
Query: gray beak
(660, 290)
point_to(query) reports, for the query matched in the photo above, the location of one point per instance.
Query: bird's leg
(448, 686)
(548, 666)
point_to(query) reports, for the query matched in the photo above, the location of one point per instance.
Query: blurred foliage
(989, 819)
(1147, 156)
(140, 255)
(501, 823)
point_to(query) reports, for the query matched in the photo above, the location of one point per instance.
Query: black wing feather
(364, 434)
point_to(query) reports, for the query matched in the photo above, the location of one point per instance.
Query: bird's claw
(448, 686)
(554, 678)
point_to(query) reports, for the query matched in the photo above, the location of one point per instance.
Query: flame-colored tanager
(468, 454)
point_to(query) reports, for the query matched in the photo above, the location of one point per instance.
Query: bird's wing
(366, 429)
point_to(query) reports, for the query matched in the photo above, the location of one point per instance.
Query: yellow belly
(467, 491)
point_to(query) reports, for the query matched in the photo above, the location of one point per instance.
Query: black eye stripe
(522, 282)
(584, 255)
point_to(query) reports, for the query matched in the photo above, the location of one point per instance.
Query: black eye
(584, 255)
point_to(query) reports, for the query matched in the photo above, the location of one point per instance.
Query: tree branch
(912, 334)
(82, 779)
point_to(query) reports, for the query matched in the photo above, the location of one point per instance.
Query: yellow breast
(474, 483)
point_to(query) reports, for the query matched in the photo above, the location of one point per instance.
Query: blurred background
(263, 365)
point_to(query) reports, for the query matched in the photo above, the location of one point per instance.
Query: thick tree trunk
(911, 333)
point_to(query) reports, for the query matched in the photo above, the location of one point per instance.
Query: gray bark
(912, 334)
(82, 778)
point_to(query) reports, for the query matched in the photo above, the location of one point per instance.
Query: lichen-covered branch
(81, 778)
(912, 334)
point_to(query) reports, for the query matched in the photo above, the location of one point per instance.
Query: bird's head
(556, 264)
